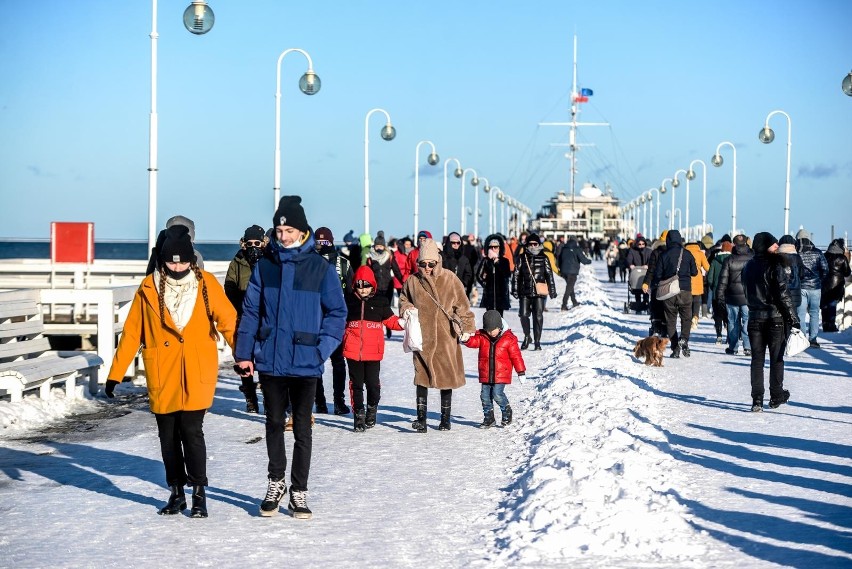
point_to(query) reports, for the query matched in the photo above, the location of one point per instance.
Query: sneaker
(298, 505)
(274, 494)
(684, 348)
(814, 344)
(731, 352)
(288, 426)
(719, 340)
(746, 352)
(776, 403)
(757, 406)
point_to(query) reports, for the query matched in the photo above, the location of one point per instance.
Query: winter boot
(444, 425)
(340, 407)
(420, 424)
(249, 389)
(507, 416)
(176, 503)
(537, 346)
(776, 403)
(488, 421)
(199, 502)
(684, 348)
(526, 343)
(694, 326)
(360, 427)
(274, 494)
(370, 419)
(322, 407)
(298, 505)
(757, 405)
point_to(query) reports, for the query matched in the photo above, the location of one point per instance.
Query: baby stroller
(634, 288)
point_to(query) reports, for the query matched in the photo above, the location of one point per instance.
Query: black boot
(526, 343)
(370, 419)
(176, 503)
(360, 425)
(199, 502)
(249, 389)
(444, 425)
(420, 424)
(340, 407)
(507, 416)
(322, 407)
(488, 421)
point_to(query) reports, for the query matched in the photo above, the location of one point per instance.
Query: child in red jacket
(500, 347)
(364, 344)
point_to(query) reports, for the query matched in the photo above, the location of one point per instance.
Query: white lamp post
(310, 85)
(662, 191)
(458, 173)
(432, 159)
(200, 22)
(651, 197)
(717, 161)
(492, 206)
(388, 132)
(690, 175)
(473, 182)
(476, 213)
(766, 135)
(675, 184)
(644, 201)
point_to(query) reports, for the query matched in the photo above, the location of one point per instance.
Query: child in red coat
(500, 347)
(364, 344)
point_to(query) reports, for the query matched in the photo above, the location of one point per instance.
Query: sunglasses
(430, 264)
(455, 242)
(363, 284)
(254, 243)
(533, 244)
(493, 246)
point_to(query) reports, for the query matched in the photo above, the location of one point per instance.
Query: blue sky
(673, 79)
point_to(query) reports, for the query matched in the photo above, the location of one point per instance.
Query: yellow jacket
(701, 263)
(548, 252)
(181, 368)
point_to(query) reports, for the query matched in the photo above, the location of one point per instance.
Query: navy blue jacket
(816, 267)
(293, 313)
(570, 259)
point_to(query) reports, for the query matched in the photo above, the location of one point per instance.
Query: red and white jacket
(364, 336)
(497, 356)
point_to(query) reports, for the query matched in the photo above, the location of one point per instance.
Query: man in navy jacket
(293, 319)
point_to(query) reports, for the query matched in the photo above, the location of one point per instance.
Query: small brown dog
(652, 349)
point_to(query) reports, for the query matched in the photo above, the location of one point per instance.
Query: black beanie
(763, 241)
(254, 233)
(177, 246)
(291, 214)
(380, 239)
(533, 237)
(491, 320)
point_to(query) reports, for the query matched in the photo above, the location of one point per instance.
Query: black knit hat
(533, 237)
(763, 241)
(380, 239)
(491, 320)
(291, 214)
(177, 246)
(254, 233)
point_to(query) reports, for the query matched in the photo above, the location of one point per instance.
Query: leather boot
(249, 389)
(488, 420)
(359, 427)
(507, 416)
(199, 502)
(526, 343)
(370, 419)
(420, 424)
(176, 503)
(444, 425)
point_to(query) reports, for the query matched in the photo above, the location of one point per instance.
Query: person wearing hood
(293, 319)
(771, 317)
(624, 249)
(493, 274)
(176, 317)
(153, 260)
(611, 257)
(454, 259)
(569, 260)
(730, 292)
(677, 261)
(720, 311)
(445, 320)
(252, 245)
(698, 282)
(639, 255)
(832, 286)
(656, 311)
(794, 268)
(532, 271)
(814, 272)
(324, 243)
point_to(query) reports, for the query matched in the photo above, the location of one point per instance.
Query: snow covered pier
(609, 464)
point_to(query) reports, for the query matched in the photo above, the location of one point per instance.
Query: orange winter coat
(701, 263)
(181, 368)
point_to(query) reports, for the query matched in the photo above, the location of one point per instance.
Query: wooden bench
(26, 360)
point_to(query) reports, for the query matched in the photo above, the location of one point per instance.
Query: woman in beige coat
(445, 319)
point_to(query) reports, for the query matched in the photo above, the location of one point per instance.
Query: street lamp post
(485, 188)
(717, 161)
(644, 201)
(198, 18)
(767, 135)
(473, 182)
(846, 84)
(690, 175)
(388, 132)
(662, 191)
(675, 184)
(310, 85)
(432, 159)
(492, 209)
(651, 197)
(458, 173)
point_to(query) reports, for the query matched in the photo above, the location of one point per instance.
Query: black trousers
(300, 392)
(610, 269)
(532, 305)
(361, 374)
(338, 377)
(183, 448)
(678, 305)
(570, 281)
(763, 334)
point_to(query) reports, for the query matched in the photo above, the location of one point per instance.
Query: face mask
(253, 254)
(175, 274)
(534, 249)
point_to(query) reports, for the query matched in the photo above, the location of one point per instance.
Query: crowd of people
(292, 300)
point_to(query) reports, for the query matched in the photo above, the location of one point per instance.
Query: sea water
(113, 250)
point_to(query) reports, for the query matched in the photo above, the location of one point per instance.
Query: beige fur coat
(439, 365)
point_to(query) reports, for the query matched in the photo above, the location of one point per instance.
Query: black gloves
(552, 296)
(109, 388)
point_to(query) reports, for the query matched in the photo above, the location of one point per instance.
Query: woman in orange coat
(174, 318)
(697, 280)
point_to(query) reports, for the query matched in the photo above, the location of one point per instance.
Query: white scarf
(179, 297)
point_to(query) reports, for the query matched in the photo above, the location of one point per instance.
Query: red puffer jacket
(364, 336)
(497, 356)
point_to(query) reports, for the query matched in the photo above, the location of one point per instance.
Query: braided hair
(162, 292)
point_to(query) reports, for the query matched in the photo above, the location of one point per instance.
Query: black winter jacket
(667, 264)
(765, 284)
(838, 270)
(638, 256)
(494, 277)
(570, 259)
(816, 267)
(384, 271)
(730, 289)
(530, 270)
(794, 267)
(459, 264)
